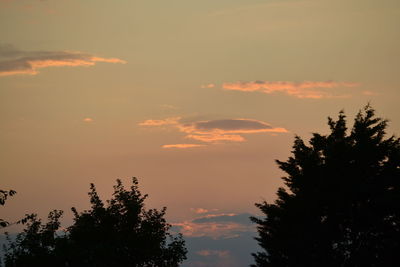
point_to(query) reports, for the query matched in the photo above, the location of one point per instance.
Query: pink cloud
(212, 229)
(216, 226)
(182, 146)
(167, 121)
(88, 120)
(14, 61)
(307, 89)
(215, 131)
(230, 126)
(199, 210)
(227, 130)
(370, 93)
(209, 85)
(202, 210)
(212, 138)
(218, 253)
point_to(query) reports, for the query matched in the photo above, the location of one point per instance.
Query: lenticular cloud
(214, 131)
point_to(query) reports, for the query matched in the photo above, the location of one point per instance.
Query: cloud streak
(216, 226)
(307, 89)
(229, 126)
(215, 131)
(182, 146)
(370, 93)
(208, 85)
(88, 120)
(14, 61)
(212, 138)
(228, 130)
(209, 252)
(202, 210)
(199, 210)
(167, 121)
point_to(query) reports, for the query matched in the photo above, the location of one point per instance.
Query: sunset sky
(196, 98)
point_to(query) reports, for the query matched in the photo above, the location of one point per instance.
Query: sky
(195, 98)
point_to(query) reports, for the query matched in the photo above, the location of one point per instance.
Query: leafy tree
(4, 194)
(341, 205)
(35, 246)
(120, 232)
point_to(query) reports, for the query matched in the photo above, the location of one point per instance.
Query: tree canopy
(341, 201)
(120, 232)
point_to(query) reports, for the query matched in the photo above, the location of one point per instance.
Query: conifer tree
(341, 203)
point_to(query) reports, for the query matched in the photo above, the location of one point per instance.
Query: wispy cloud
(213, 230)
(14, 61)
(208, 85)
(167, 121)
(370, 93)
(229, 126)
(88, 120)
(216, 226)
(212, 138)
(202, 210)
(229, 130)
(182, 146)
(216, 131)
(199, 210)
(307, 89)
(209, 252)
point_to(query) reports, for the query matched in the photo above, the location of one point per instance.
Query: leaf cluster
(4, 194)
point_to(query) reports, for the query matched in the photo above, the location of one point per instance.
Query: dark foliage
(4, 194)
(342, 202)
(120, 232)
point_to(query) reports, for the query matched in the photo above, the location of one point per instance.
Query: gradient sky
(196, 98)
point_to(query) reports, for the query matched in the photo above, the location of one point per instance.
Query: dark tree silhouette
(120, 232)
(36, 245)
(342, 202)
(4, 194)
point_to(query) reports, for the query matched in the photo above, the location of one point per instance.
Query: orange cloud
(212, 138)
(199, 210)
(108, 60)
(182, 146)
(370, 93)
(167, 121)
(88, 120)
(216, 226)
(209, 85)
(212, 229)
(216, 131)
(28, 62)
(202, 210)
(307, 89)
(218, 253)
(219, 128)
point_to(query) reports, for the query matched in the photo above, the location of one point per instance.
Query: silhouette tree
(35, 246)
(341, 206)
(4, 194)
(120, 232)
